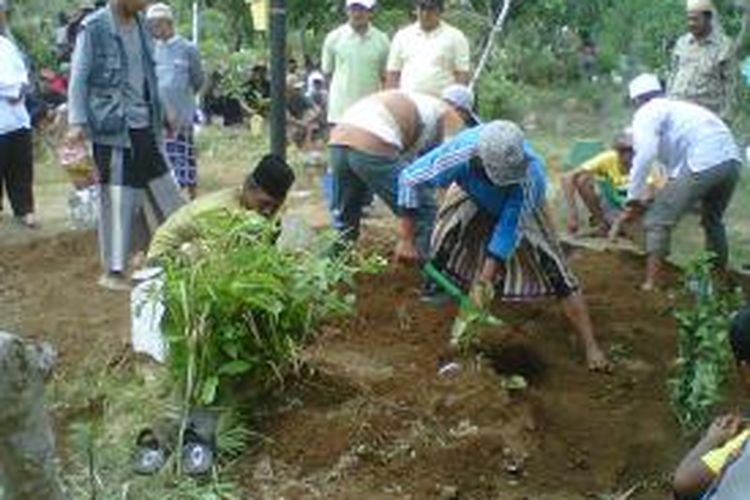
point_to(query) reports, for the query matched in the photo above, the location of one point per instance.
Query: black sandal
(151, 453)
(198, 456)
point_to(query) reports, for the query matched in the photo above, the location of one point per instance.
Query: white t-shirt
(13, 77)
(428, 61)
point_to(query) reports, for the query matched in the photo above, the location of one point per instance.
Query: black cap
(739, 335)
(273, 176)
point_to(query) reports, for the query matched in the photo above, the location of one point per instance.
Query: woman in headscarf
(493, 234)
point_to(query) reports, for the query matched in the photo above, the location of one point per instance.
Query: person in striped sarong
(493, 235)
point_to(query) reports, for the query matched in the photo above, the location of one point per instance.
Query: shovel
(469, 316)
(444, 282)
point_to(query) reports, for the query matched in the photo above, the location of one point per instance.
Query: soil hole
(515, 359)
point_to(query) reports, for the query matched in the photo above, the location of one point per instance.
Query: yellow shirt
(607, 166)
(717, 459)
(184, 225)
(428, 61)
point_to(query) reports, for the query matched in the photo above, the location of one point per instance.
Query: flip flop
(150, 455)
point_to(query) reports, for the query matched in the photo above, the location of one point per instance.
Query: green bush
(240, 309)
(705, 360)
(498, 96)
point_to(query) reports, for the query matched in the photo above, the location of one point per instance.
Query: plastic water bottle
(82, 208)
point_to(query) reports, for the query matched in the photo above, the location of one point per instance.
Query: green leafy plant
(704, 360)
(469, 324)
(239, 310)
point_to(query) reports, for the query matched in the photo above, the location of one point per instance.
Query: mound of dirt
(379, 422)
(371, 418)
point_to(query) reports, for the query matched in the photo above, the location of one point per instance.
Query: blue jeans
(355, 174)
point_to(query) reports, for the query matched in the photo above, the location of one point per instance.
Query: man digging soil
(493, 234)
(702, 162)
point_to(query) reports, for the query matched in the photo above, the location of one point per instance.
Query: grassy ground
(117, 403)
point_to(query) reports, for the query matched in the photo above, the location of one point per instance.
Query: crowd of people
(398, 118)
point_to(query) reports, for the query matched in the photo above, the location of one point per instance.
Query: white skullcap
(700, 6)
(159, 11)
(367, 4)
(646, 83)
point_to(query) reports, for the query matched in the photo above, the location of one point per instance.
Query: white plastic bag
(83, 207)
(146, 312)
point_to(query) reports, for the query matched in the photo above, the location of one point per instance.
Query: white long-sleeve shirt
(684, 137)
(13, 77)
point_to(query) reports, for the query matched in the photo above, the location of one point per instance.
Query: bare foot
(597, 361)
(572, 227)
(114, 282)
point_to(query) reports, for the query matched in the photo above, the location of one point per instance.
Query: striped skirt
(182, 158)
(538, 267)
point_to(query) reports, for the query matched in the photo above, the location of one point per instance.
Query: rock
(448, 493)
(27, 449)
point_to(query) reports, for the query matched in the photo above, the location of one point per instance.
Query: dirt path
(372, 419)
(48, 291)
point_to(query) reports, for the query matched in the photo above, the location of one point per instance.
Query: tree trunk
(27, 450)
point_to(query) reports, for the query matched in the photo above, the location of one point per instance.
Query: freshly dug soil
(369, 416)
(375, 420)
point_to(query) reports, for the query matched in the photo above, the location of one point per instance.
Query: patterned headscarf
(502, 154)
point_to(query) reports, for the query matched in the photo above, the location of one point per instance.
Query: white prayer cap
(646, 83)
(159, 11)
(700, 6)
(367, 4)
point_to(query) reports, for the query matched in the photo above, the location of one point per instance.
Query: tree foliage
(539, 45)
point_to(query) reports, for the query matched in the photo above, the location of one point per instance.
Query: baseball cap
(367, 4)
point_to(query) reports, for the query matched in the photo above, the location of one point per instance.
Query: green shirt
(184, 225)
(357, 63)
